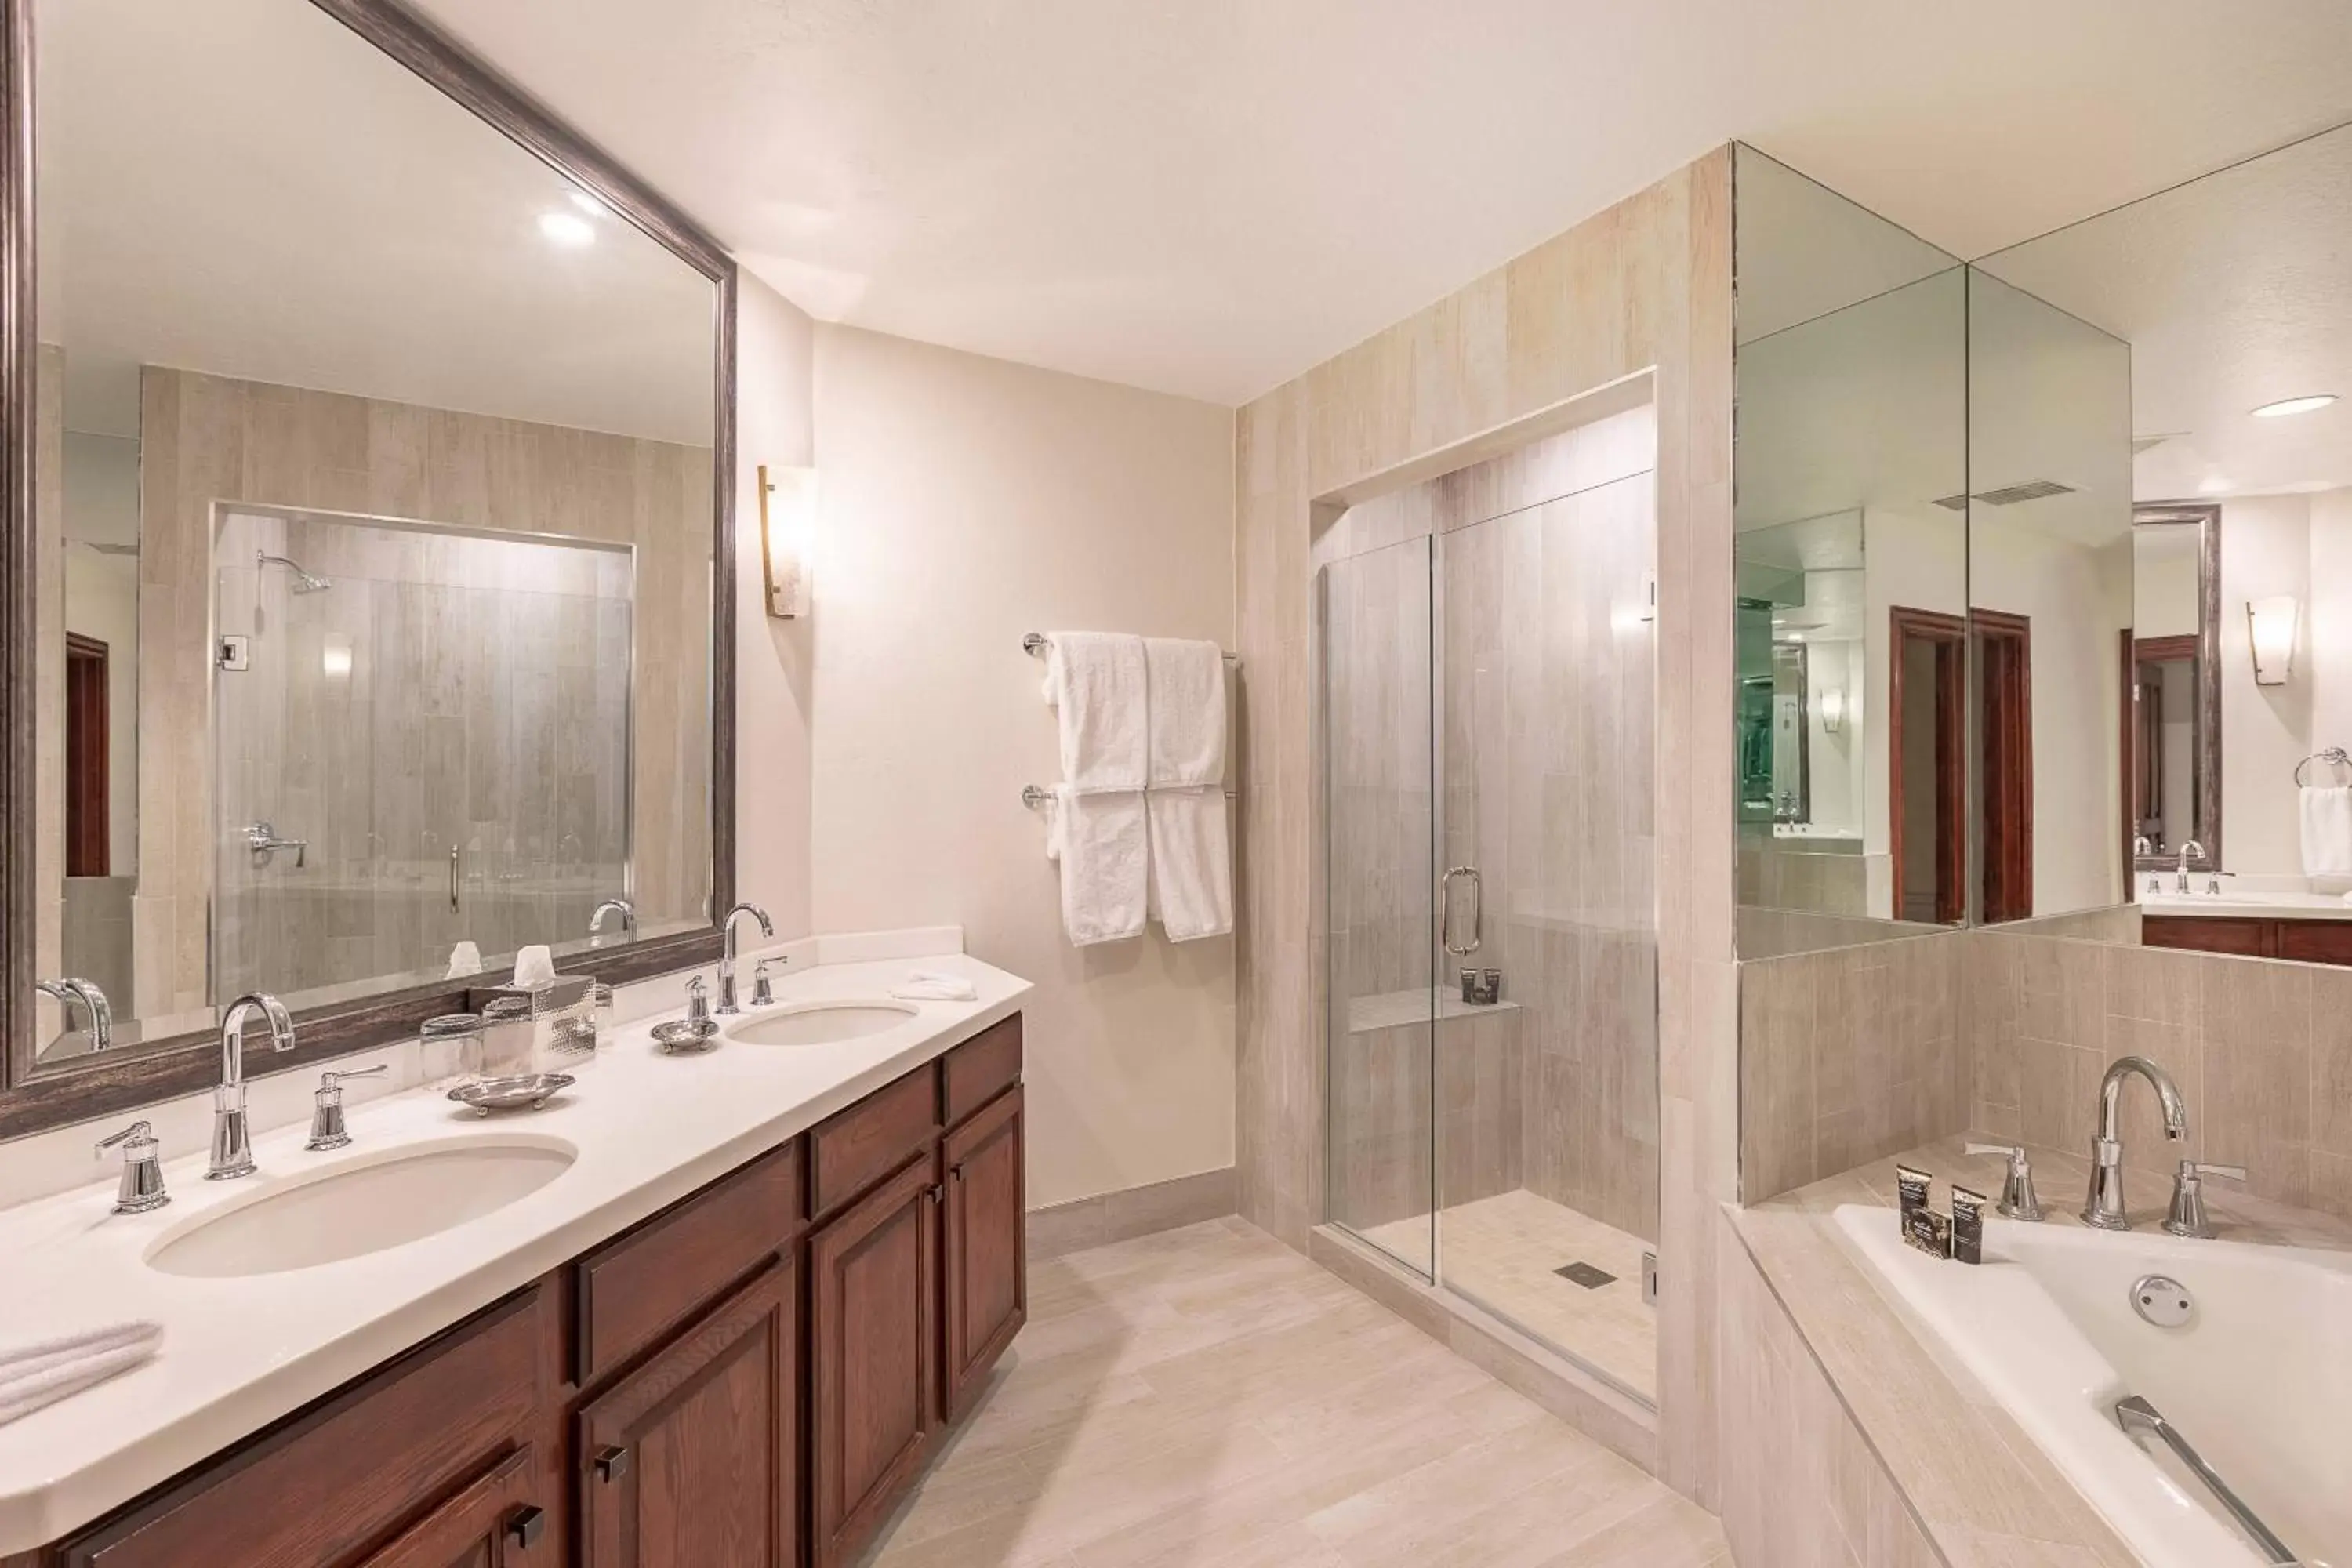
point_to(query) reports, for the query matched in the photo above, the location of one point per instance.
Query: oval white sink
(822, 1022)
(360, 1206)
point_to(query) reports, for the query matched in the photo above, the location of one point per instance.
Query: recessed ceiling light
(2216, 484)
(587, 204)
(567, 228)
(2294, 406)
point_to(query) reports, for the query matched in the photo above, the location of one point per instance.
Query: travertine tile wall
(1848, 1056)
(2261, 1051)
(1645, 285)
(208, 438)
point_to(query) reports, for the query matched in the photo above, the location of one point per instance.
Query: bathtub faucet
(2104, 1208)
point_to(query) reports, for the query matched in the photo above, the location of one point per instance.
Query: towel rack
(1034, 645)
(2336, 756)
(1034, 795)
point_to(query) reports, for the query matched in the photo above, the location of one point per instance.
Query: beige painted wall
(965, 501)
(1645, 283)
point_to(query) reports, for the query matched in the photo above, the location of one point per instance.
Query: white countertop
(2244, 905)
(241, 1353)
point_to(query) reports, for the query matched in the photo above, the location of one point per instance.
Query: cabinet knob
(525, 1525)
(612, 1463)
(934, 1192)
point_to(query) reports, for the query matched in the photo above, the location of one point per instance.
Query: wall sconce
(787, 527)
(1833, 710)
(2272, 623)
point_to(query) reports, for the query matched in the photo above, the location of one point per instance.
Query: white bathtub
(2259, 1379)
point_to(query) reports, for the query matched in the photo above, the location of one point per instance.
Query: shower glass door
(1379, 820)
(1546, 1076)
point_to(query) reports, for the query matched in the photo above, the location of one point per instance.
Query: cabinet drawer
(852, 1151)
(680, 1261)
(2316, 941)
(982, 1068)
(344, 1474)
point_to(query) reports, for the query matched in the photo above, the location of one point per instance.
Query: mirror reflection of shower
(304, 582)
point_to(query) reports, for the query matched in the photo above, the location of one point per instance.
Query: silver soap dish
(517, 1091)
(686, 1036)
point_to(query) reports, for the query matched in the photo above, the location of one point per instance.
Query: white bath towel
(37, 1376)
(1096, 682)
(1100, 842)
(1186, 696)
(931, 985)
(2327, 831)
(1192, 862)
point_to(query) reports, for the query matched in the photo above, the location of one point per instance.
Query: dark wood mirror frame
(166, 1070)
(2207, 517)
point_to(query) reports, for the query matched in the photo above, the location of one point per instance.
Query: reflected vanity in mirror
(369, 472)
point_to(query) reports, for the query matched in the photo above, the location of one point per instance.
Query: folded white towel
(1096, 681)
(2327, 831)
(931, 985)
(465, 959)
(1186, 696)
(1100, 842)
(38, 1375)
(1192, 862)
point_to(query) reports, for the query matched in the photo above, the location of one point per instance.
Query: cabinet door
(873, 1280)
(496, 1522)
(986, 1259)
(2207, 934)
(2316, 941)
(694, 1458)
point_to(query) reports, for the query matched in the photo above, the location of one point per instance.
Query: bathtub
(2258, 1378)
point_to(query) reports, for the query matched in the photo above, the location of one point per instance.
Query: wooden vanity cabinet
(751, 1378)
(2309, 941)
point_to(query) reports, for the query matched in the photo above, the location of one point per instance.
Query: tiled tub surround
(1851, 1437)
(649, 1130)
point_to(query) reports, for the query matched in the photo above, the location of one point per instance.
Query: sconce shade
(2273, 624)
(787, 522)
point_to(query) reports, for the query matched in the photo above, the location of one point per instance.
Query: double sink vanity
(706, 1308)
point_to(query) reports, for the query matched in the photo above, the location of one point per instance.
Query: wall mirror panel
(1851, 561)
(368, 432)
(2229, 298)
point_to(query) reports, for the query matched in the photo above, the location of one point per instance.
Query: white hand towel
(1100, 842)
(37, 1376)
(931, 985)
(1192, 863)
(2327, 831)
(1186, 696)
(1096, 681)
(465, 959)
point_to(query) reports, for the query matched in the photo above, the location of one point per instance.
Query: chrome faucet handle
(698, 998)
(2186, 1215)
(763, 995)
(327, 1127)
(2018, 1200)
(142, 1187)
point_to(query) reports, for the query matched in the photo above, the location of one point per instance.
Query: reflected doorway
(1924, 763)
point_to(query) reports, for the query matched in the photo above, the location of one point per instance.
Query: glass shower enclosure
(1492, 1099)
(421, 738)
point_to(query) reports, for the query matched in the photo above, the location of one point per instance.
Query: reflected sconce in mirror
(787, 528)
(1833, 710)
(2272, 623)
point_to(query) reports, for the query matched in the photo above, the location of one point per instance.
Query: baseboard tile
(1135, 1211)
(1594, 1407)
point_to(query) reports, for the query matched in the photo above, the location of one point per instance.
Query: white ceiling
(2234, 291)
(1210, 197)
(247, 188)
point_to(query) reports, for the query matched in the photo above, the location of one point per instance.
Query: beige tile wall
(1644, 285)
(208, 438)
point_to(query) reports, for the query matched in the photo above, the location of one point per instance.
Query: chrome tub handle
(1478, 910)
(2137, 1416)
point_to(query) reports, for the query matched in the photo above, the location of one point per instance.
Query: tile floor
(1501, 1251)
(1206, 1396)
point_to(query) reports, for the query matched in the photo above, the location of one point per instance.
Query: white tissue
(464, 958)
(534, 966)
(931, 985)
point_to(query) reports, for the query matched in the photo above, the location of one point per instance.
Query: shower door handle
(1478, 910)
(453, 878)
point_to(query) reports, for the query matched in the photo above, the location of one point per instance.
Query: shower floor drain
(1586, 1275)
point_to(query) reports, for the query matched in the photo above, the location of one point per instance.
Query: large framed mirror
(369, 481)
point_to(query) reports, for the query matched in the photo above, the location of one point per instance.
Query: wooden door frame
(89, 781)
(2006, 707)
(1906, 624)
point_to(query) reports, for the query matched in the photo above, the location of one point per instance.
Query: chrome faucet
(2190, 850)
(2104, 1207)
(621, 906)
(232, 1144)
(727, 952)
(93, 1001)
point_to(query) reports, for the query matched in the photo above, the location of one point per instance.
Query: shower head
(303, 582)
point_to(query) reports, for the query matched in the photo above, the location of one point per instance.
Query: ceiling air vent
(1954, 504)
(2031, 490)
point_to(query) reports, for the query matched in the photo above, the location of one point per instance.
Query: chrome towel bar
(1034, 645)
